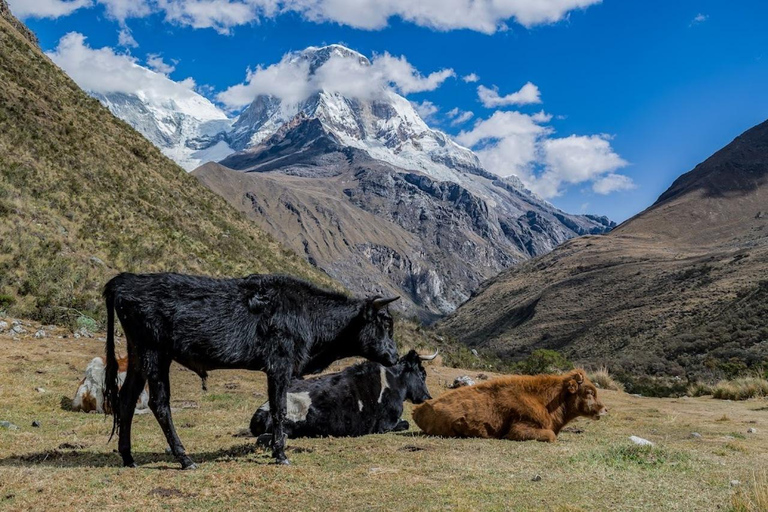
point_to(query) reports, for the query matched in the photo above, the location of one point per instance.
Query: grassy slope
(79, 187)
(679, 290)
(595, 470)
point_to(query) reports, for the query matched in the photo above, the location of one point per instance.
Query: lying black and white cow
(366, 398)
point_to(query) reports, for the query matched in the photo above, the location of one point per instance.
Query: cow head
(376, 341)
(582, 396)
(414, 377)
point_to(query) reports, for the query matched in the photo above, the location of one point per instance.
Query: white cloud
(46, 8)
(580, 158)
(699, 18)
(104, 71)
(407, 79)
(471, 78)
(613, 183)
(486, 16)
(506, 143)
(157, 64)
(220, 15)
(426, 109)
(125, 38)
(541, 117)
(459, 116)
(291, 79)
(511, 142)
(121, 10)
(490, 98)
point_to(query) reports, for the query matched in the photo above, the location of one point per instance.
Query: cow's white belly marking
(384, 383)
(297, 406)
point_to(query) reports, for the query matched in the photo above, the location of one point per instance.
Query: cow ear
(412, 356)
(573, 386)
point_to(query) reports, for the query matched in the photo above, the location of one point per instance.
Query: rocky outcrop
(5, 13)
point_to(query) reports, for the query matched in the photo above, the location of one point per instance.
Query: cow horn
(380, 303)
(429, 358)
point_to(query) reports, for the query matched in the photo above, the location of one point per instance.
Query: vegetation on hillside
(84, 196)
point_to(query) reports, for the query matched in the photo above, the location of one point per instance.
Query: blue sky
(664, 83)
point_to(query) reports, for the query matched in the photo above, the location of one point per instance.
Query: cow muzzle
(390, 358)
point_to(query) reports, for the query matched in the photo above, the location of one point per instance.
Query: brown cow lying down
(90, 392)
(517, 407)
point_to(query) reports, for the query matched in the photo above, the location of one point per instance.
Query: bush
(741, 389)
(89, 323)
(544, 361)
(603, 380)
(699, 389)
(6, 301)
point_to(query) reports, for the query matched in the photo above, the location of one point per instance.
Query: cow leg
(277, 384)
(528, 432)
(160, 403)
(129, 394)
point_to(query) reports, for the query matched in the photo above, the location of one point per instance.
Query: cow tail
(111, 392)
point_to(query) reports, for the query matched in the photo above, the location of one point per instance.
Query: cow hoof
(283, 462)
(189, 467)
(130, 465)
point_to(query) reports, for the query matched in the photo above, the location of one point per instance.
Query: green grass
(634, 456)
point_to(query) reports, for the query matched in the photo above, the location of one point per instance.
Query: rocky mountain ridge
(680, 289)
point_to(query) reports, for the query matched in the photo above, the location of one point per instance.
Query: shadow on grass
(62, 458)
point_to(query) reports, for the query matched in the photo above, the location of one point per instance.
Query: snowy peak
(381, 122)
(184, 124)
(317, 56)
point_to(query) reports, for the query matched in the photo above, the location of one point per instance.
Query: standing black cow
(277, 324)
(366, 398)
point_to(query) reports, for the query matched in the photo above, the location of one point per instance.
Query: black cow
(366, 398)
(277, 324)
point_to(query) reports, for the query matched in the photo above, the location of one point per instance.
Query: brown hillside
(83, 196)
(680, 289)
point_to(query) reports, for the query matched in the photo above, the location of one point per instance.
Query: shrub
(87, 322)
(6, 301)
(544, 361)
(741, 389)
(699, 389)
(603, 380)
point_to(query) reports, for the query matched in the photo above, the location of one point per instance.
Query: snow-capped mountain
(184, 128)
(386, 126)
(361, 186)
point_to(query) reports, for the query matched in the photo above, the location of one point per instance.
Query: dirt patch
(165, 492)
(71, 446)
(411, 448)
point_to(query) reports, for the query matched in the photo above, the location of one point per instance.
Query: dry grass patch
(67, 461)
(604, 380)
(752, 495)
(741, 389)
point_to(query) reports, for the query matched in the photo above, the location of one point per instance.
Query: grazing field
(67, 464)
